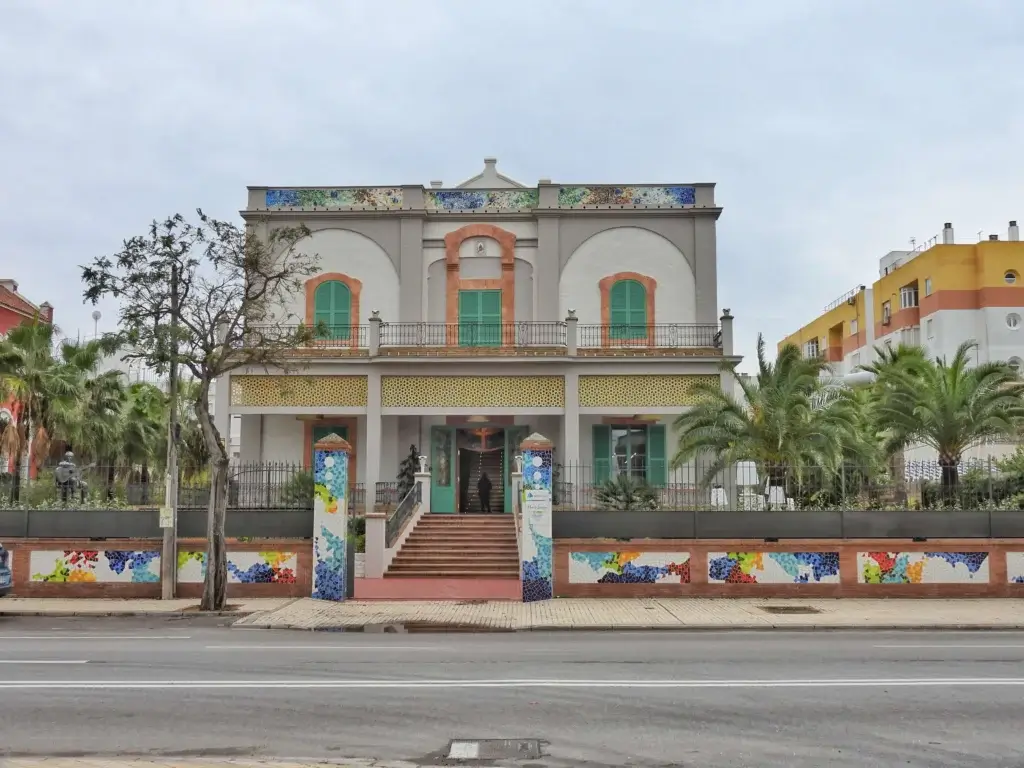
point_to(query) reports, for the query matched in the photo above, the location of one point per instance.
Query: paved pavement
(57, 606)
(175, 688)
(653, 613)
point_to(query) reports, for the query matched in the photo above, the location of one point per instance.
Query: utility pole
(169, 514)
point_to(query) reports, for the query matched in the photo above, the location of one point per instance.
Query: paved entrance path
(645, 613)
(142, 762)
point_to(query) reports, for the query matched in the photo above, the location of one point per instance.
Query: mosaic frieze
(351, 197)
(1015, 567)
(629, 567)
(477, 199)
(922, 567)
(472, 391)
(243, 567)
(773, 567)
(643, 391)
(95, 566)
(298, 391)
(572, 197)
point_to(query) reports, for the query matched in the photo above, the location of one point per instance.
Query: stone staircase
(491, 463)
(458, 547)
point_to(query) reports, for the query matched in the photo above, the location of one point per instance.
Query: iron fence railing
(386, 494)
(340, 336)
(672, 335)
(514, 334)
(398, 519)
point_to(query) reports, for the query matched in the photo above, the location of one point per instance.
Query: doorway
(481, 452)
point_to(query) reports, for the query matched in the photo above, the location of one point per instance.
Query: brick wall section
(23, 586)
(996, 586)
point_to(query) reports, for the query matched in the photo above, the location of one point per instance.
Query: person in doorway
(483, 488)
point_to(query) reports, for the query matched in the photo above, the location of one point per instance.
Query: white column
(371, 469)
(423, 478)
(569, 450)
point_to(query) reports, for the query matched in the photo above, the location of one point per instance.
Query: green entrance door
(513, 437)
(442, 470)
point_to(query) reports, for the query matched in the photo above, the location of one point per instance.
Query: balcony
(518, 339)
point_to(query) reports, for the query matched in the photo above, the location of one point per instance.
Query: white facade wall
(628, 249)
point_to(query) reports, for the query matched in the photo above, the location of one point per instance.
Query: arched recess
(455, 284)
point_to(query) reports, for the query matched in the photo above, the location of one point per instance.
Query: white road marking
(464, 750)
(948, 646)
(322, 648)
(76, 637)
(459, 684)
(43, 661)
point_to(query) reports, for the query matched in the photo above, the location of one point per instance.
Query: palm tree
(143, 431)
(785, 426)
(948, 406)
(193, 455)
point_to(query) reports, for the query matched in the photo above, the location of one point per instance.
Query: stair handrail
(517, 521)
(402, 514)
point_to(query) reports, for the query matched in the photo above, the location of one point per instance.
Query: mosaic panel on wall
(773, 567)
(353, 197)
(629, 567)
(298, 390)
(571, 197)
(922, 567)
(95, 566)
(472, 391)
(643, 391)
(243, 567)
(1015, 567)
(537, 564)
(477, 199)
(330, 517)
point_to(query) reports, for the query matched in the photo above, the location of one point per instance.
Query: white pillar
(423, 478)
(569, 450)
(371, 467)
(376, 543)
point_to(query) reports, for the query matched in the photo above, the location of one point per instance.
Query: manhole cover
(789, 609)
(494, 749)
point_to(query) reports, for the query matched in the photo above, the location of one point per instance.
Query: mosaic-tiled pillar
(536, 506)
(330, 516)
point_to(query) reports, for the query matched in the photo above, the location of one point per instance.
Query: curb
(420, 628)
(109, 614)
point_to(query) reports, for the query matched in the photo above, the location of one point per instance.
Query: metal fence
(322, 336)
(674, 335)
(258, 485)
(638, 482)
(516, 334)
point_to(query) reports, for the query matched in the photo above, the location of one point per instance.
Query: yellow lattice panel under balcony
(298, 391)
(642, 391)
(472, 391)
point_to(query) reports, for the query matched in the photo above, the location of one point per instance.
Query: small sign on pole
(166, 517)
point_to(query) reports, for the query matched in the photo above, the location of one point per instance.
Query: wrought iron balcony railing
(516, 334)
(670, 335)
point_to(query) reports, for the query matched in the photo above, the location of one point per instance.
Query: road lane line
(499, 684)
(947, 645)
(44, 661)
(323, 648)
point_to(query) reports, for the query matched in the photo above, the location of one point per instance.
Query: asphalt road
(193, 687)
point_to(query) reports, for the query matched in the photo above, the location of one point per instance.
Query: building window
(332, 310)
(908, 297)
(927, 286)
(929, 327)
(811, 349)
(1010, 277)
(886, 312)
(633, 450)
(1013, 321)
(854, 327)
(628, 318)
(479, 318)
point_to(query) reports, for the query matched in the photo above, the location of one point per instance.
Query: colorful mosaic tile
(773, 567)
(298, 390)
(643, 391)
(477, 199)
(95, 566)
(572, 197)
(472, 391)
(922, 567)
(243, 567)
(359, 197)
(1015, 567)
(330, 522)
(629, 567)
(538, 582)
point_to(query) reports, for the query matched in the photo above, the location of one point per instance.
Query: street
(195, 687)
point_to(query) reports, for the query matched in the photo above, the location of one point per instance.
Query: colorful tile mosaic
(922, 567)
(538, 583)
(477, 199)
(773, 567)
(95, 566)
(1015, 567)
(629, 567)
(330, 522)
(243, 567)
(572, 197)
(359, 197)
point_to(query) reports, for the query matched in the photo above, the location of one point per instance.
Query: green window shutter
(490, 318)
(332, 306)
(479, 318)
(602, 445)
(628, 305)
(469, 317)
(656, 463)
(638, 307)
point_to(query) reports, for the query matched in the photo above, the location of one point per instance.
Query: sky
(836, 130)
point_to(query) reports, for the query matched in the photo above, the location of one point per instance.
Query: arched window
(628, 315)
(332, 307)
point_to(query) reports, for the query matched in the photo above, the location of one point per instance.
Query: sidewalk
(644, 613)
(171, 762)
(86, 606)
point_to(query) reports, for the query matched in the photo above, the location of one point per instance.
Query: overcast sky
(836, 130)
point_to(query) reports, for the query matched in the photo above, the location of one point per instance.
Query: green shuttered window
(332, 307)
(479, 318)
(628, 300)
(638, 451)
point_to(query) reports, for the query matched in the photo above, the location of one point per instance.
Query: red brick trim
(605, 286)
(506, 283)
(355, 287)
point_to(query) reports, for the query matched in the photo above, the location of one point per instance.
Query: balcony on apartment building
(516, 339)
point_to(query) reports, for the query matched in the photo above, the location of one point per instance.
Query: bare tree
(231, 311)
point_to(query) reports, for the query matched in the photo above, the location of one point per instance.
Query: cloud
(835, 130)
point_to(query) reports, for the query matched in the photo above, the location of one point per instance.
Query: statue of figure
(65, 476)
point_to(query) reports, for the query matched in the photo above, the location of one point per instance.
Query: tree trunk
(216, 582)
(144, 481)
(950, 479)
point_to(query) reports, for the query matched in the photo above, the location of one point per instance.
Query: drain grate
(494, 749)
(790, 609)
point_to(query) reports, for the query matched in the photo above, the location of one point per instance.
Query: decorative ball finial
(423, 465)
